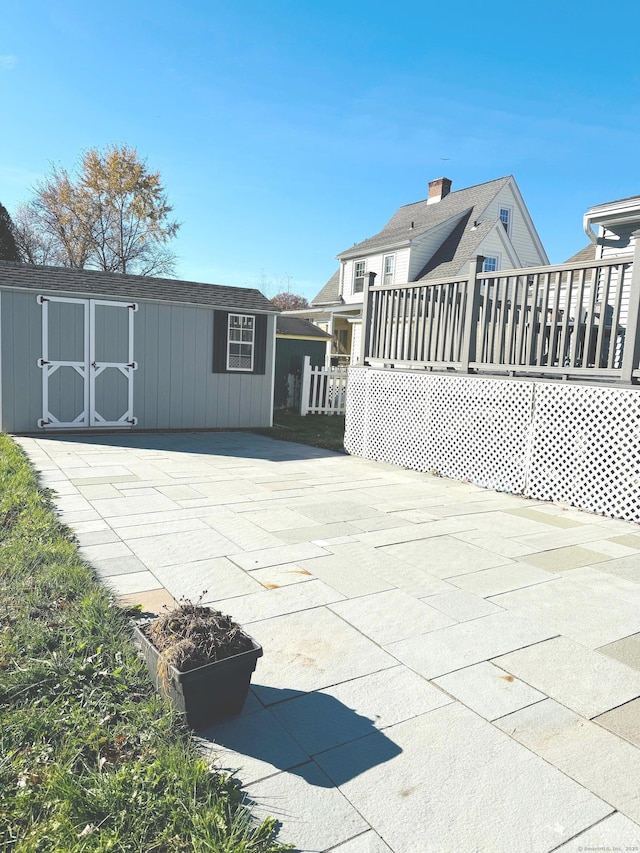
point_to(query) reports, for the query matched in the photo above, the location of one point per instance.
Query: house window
(490, 264)
(505, 218)
(389, 268)
(359, 273)
(240, 342)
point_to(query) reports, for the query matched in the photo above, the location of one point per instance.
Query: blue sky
(287, 131)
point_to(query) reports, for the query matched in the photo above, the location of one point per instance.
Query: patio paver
(593, 756)
(419, 634)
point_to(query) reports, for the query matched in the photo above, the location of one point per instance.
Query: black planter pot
(210, 693)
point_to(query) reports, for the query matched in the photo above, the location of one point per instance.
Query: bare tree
(35, 245)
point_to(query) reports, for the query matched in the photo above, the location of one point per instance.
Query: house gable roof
(459, 246)
(412, 220)
(330, 293)
(586, 254)
(120, 286)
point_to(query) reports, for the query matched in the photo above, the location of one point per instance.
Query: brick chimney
(438, 190)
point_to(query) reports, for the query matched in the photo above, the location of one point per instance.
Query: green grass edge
(91, 759)
(324, 431)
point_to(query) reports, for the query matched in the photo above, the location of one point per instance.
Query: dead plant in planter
(201, 657)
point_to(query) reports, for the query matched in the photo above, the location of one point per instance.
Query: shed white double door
(87, 362)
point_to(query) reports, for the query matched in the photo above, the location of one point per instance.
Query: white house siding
(521, 237)
(347, 284)
(401, 275)
(375, 264)
(423, 248)
(493, 246)
(619, 242)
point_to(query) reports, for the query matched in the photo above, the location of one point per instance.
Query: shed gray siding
(174, 385)
(20, 349)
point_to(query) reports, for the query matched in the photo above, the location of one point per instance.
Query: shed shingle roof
(120, 286)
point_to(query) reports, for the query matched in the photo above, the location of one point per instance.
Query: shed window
(240, 342)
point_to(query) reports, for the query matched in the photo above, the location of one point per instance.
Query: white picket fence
(324, 390)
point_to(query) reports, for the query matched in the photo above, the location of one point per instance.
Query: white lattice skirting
(547, 440)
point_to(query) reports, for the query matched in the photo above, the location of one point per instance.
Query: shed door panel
(65, 362)
(112, 364)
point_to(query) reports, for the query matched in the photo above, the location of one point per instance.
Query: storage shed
(296, 338)
(81, 349)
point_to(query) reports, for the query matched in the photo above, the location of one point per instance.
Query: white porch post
(631, 351)
(306, 385)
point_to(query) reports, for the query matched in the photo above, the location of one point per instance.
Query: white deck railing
(324, 390)
(576, 320)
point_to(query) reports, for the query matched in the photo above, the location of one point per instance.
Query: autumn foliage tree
(8, 248)
(110, 214)
(288, 301)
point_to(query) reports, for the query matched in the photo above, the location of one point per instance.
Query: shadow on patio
(289, 733)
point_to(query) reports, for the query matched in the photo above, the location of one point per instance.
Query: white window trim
(229, 342)
(509, 208)
(384, 269)
(355, 278)
(497, 258)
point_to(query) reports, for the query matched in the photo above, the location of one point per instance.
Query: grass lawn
(90, 758)
(317, 430)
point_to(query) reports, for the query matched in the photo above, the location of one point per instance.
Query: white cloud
(8, 61)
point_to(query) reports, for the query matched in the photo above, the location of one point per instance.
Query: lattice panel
(356, 417)
(573, 443)
(586, 448)
(467, 429)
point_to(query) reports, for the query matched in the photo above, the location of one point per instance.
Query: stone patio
(445, 668)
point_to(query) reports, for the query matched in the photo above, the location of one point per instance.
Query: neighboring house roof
(460, 246)
(411, 220)
(330, 292)
(121, 286)
(586, 254)
(299, 327)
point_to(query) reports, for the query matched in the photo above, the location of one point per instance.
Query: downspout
(588, 230)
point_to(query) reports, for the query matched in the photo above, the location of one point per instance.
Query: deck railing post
(469, 331)
(306, 385)
(365, 337)
(631, 351)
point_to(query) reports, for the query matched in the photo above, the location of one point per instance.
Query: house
(296, 338)
(610, 228)
(81, 349)
(427, 240)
